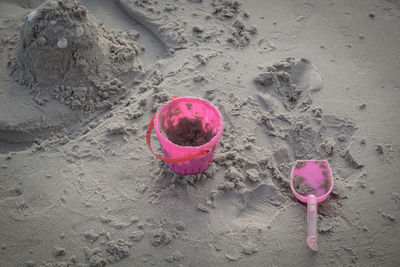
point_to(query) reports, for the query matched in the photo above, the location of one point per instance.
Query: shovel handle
(312, 231)
(198, 154)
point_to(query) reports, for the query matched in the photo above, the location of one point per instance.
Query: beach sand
(292, 79)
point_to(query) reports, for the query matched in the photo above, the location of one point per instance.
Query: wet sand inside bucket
(189, 132)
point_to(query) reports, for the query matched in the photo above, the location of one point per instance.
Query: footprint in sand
(7, 193)
(289, 81)
(258, 205)
(263, 197)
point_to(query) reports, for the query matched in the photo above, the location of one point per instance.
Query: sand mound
(64, 51)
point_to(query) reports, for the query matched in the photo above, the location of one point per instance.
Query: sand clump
(58, 251)
(226, 8)
(175, 256)
(241, 33)
(94, 257)
(117, 250)
(235, 176)
(253, 175)
(160, 238)
(301, 187)
(249, 248)
(91, 235)
(137, 236)
(65, 52)
(300, 164)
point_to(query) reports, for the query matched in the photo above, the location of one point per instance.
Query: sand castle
(64, 51)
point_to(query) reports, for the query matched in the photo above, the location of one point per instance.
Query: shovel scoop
(311, 182)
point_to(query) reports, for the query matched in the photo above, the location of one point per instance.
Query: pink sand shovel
(311, 182)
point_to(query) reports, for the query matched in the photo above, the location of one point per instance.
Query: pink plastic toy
(311, 182)
(186, 160)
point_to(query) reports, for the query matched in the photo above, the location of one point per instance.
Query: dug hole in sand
(298, 80)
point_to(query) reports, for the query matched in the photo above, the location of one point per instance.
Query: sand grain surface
(292, 79)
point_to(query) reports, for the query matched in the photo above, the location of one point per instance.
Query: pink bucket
(182, 159)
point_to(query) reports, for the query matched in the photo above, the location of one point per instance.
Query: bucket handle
(171, 160)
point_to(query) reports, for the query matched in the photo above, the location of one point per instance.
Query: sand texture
(293, 80)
